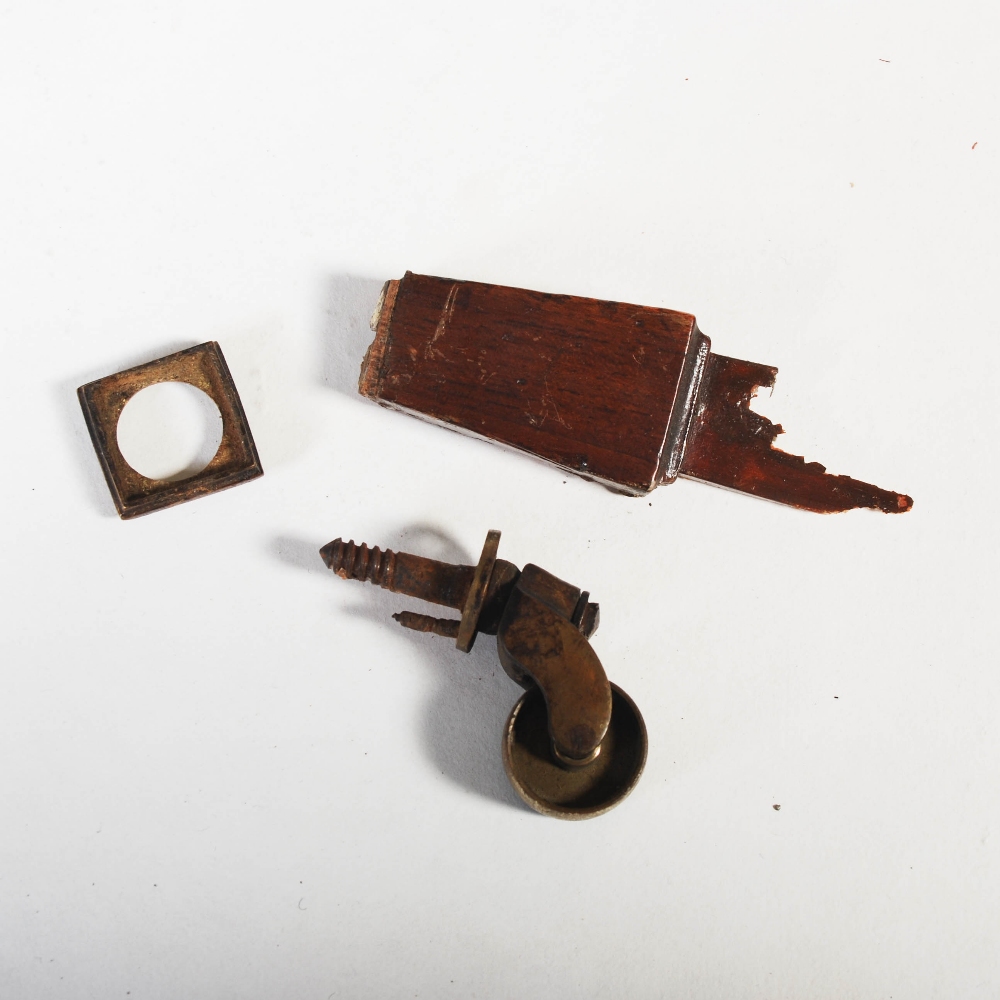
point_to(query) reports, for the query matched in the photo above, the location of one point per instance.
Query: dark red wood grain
(730, 445)
(626, 395)
(583, 383)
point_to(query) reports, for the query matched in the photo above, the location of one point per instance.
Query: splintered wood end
(731, 446)
(373, 365)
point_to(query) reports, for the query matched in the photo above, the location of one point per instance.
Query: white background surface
(225, 773)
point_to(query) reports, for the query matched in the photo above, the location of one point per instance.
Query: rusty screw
(358, 562)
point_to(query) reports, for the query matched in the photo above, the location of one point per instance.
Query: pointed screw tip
(328, 550)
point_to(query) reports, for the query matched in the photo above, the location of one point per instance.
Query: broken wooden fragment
(628, 396)
(730, 445)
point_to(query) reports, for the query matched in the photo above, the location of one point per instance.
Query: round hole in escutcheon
(169, 431)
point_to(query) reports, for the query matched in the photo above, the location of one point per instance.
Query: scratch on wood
(547, 401)
(442, 325)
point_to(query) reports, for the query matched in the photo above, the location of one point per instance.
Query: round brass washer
(579, 792)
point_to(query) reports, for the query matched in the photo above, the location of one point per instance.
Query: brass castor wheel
(554, 789)
(575, 744)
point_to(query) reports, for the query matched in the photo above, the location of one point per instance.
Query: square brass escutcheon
(204, 367)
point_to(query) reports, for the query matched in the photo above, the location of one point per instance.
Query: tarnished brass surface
(473, 606)
(577, 792)
(538, 645)
(204, 367)
(575, 745)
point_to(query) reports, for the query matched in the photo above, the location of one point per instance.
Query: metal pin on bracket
(574, 744)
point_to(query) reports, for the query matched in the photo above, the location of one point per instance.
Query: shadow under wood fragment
(344, 333)
(464, 720)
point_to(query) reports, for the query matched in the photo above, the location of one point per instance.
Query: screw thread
(359, 562)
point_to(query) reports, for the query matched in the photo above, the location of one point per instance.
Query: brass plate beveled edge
(166, 493)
